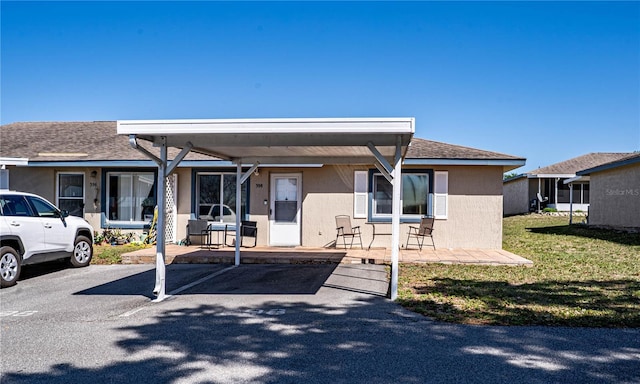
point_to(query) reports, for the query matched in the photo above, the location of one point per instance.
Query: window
(15, 205)
(216, 197)
(580, 193)
(26, 206)
(585, 193)
(415, 195)
(71, 193)
(43, 209)
(131, 197)
(563, 192)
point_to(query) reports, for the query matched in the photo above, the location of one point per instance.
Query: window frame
(195, 193)
(104, 197)
(81, 198)
(404, 218)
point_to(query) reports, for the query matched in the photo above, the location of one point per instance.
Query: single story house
(615, 193)
(524, 192)
(91, 171)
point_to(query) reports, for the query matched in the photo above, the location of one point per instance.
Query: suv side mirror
(64, 213)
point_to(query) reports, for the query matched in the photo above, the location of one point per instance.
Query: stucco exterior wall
(475, 203)
(183, 201)
(615, 197)
(326, 192)
(516, 196)
(474, 217)
(258, 193)
(42, 181)
(475, 209)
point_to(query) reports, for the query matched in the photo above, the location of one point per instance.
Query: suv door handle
(14, 224)
(48, 226)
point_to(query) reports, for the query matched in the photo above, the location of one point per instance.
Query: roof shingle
(427, 149)
(98, 140)
(69, 141)
(579, 163)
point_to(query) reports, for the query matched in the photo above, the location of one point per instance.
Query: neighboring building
(521, 192)
(87, 169)
(615, 193)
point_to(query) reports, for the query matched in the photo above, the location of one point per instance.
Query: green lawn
(580, 277)
(112, 254)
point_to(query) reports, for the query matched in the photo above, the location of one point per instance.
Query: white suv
(32, 230)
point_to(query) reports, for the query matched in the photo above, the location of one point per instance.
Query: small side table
(218, 229)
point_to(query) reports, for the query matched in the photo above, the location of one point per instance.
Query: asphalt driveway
(274, 324)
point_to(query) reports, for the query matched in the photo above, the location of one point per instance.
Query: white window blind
(360, 194)
(441, 193)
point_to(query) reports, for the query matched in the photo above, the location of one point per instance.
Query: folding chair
(344, 229)
(419, 233)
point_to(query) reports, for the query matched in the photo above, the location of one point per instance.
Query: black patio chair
(198, 228)
(249, 229)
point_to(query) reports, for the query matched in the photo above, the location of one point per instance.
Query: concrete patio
(301, 255)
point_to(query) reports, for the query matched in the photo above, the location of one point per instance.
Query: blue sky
(543, 80)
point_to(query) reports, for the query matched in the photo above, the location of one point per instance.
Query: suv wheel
(9, 266)
(82, 252)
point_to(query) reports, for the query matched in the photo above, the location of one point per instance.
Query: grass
(581, 277)
(112, 254)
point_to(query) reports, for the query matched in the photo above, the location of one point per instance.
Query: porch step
(301, 255)
(255, 257)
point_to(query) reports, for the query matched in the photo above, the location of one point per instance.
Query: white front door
(284, 217)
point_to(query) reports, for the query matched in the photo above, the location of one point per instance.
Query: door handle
(48, 226)
(14, 224)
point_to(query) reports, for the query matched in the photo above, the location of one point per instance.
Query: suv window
(43, 208)
(15, 205)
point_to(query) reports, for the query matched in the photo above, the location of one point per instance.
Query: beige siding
(184, 201)
(615, 197)
(474, 217)
(327, 192)
(259, 211)
(516, 196)
(42, 181)
(475, 208)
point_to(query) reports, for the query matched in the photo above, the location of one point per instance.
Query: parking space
(274, 324)
(106, 292)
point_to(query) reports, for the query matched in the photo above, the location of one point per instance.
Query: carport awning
(379, 141)
(280, 141)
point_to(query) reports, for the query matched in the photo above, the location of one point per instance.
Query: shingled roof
(72, 141)
(99, 141)
(427, 149)
(632, 158)
(571, 166)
